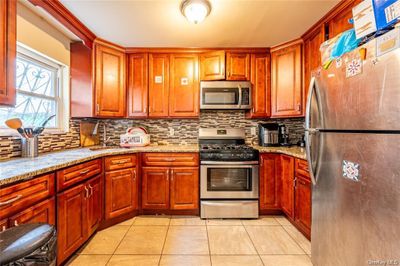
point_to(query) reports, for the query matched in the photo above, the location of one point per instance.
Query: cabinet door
(71, 221)
(303, 203)
(184, 188)
(184, 86)
(312, 56)
(43, 212)
(261, 86)
(8, 52)
(94, 204)
(121, 192)
(138, 89)
(155, 188)
(340, 22)
(3, 225)
(212, 65)
(109, 81)
(270, 183)
(287, 176)
(158, 85)
(286, 91)
(237, 66)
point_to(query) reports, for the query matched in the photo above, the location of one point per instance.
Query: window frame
(60, 95)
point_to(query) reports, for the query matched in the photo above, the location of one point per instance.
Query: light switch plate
(171, 131)
(158, 79)
(253, 131)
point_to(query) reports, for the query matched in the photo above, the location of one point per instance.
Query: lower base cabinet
(270, 183)
(155, 188)
(184, 188)
(287, 191)
(78, 214)
(43, 212)
(302, 215)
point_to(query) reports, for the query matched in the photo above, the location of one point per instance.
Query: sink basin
(97, 148)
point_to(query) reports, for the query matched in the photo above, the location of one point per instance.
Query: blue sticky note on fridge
(387, 12)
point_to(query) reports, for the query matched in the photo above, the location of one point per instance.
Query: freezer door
(367, 101)
(356, 200)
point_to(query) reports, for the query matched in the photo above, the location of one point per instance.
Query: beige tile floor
(186, 241)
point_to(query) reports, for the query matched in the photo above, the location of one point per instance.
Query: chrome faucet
(95, 132)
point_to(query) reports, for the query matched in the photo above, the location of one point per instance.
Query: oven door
(229, 181)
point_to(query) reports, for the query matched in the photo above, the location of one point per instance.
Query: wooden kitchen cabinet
(71, 221)
(184, 188)
(138, 89)
(109, 79)
(339, 21)
(287, 189)
(121, 192)
(42, 212)
(286, 89)
(261, 85)
(237, 66)
(158, 85)
(121, 185)
(270, 182)
(78, 215)
(8, 35)
(302, 214)
(212, 65)
(184, 85)
(3, 225)
(155, 188)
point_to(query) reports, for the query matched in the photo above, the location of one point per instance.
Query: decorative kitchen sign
(353, 68)
(158, 79)
(351, 170)
(184, 81)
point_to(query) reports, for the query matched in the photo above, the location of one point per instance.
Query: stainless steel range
(228, 175)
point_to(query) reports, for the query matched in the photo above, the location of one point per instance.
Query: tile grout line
(120, 241)
(208, 243)
(254, 246)
(305, 252)
(165, 240)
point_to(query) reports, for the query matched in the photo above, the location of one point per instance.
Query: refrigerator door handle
(309, 132)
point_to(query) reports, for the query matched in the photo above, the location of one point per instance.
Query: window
(38, 83)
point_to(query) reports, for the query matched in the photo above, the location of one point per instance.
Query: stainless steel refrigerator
(353, 148)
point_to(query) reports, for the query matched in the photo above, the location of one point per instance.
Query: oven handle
(222, 163)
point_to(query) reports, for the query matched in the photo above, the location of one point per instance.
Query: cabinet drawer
(120, 162)
(170, 159)
(42, 212)
(75, 174)
(301, 168)
(23, 195)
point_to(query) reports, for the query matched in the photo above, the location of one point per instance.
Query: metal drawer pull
(122, 161)
(87, 192)
(169, 159)
(8, 202)
(84, 171)
(16, 223)
(91, 190)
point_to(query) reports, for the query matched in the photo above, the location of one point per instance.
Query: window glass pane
(37, 96)
(34, 77)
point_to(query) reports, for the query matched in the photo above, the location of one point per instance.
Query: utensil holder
(30, 147)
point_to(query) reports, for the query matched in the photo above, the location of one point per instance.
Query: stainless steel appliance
(228, 175)
(268, 134)
(352, 143)
(284, 135)
(225, 95)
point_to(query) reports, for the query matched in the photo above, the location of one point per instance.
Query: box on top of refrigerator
(374, 15)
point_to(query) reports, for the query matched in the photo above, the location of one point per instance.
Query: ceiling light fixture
(195, 10)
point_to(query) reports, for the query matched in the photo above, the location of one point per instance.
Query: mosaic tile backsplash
(185, 131)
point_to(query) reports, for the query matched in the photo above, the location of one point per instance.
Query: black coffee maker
(283, 135)
(268, 134)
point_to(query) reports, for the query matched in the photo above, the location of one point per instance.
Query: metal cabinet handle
(172, 175)
(169, 159)
(16, 223)
(10, 201)
(84, 171)
(87, 192)
(134, 175)
(122, 161)
(91, 190)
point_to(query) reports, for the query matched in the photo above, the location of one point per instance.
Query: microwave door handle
(240, 96)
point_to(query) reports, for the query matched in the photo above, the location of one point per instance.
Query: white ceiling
(232, 23)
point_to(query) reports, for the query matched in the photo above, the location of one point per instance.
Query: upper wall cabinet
(158, 85)
(261, 85)
(212, 65)
(341, 16)
(109, 80)
(184, 85)
(237, 66)
(138, 85)
(286, 91)
(7, 52)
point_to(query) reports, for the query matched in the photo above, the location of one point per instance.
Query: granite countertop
(15, 170)
(294, 151)
(24, 168)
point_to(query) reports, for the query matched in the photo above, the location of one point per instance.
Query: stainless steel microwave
(225, 95)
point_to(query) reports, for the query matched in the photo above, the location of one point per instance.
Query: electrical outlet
(171, 131)
(253, 131)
